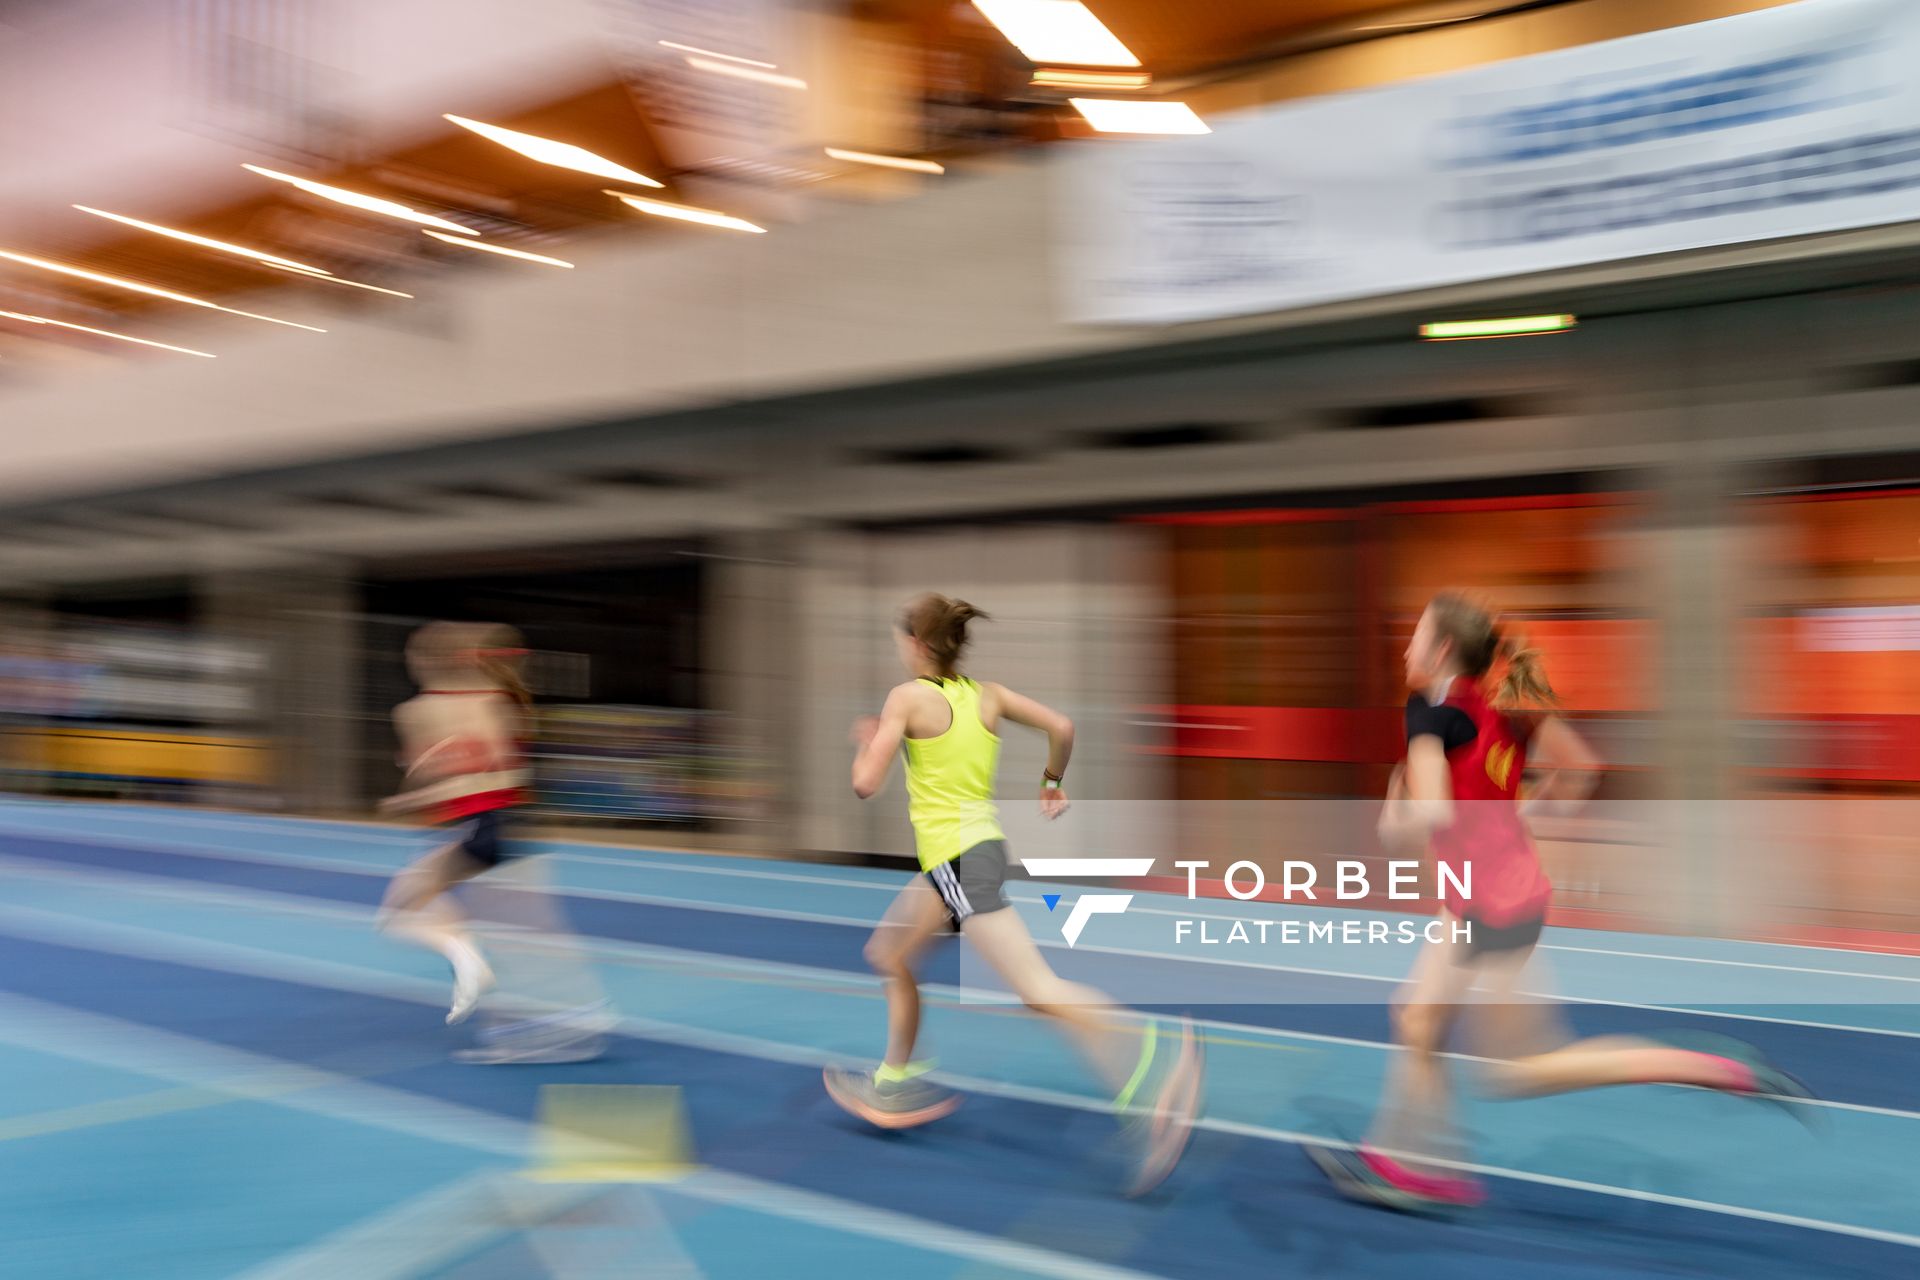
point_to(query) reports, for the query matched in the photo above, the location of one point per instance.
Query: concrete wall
(1074, 625)
(680, 317)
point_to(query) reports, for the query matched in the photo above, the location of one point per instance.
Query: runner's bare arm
(880, 738)
(1572, 770)
(1023, 710)
(1425, 800)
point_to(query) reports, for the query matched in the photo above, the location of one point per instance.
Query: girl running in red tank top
(1458, 796)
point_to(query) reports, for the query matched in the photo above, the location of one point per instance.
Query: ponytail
(1479, 640)
(497, 653)
(940, 624)
(1525, 680)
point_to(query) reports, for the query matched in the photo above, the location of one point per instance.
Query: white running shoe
(538, 1052)
(472, 978)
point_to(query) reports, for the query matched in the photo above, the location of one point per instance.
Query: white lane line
(797, 1205)
(107, 1041)
(809, 917)
(59, 928)
(894, 885)
(639, 863)
(135, 844)
(343, 866)
(1195, 913)
(35, 1024)
(1739, 964)
(427, 1232)
(882, 881)
(383, 832)
(655, 955)
(136, 815)
(153, 885)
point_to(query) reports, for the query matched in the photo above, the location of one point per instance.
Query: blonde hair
(436, 646)
(1479, 639)
(499, 653)
(940, 624)
(492, 651)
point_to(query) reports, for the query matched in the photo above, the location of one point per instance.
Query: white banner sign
(1793, 120)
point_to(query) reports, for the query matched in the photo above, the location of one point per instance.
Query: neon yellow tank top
(950, 781)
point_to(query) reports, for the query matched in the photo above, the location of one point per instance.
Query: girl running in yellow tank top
(948, 724)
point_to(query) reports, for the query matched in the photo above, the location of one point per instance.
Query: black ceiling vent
(1857, 473)
(41, 535)
(939, 455)
(1172, 435)
(1877, 375)
(63, 526)
(645, 478)
(491, 491)
(363, 502)
(197, 519)
(1429, 413)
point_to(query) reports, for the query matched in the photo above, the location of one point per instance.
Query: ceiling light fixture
(358, 200)
(723, 57)
(746, 73)
(206, 242)
(561, 155)
(104, 333)
(1058, 78)
(136, 287)
(327, 277)
(1510, 327)
(1057, 31)
(908, 163)
(500, 249)
(1110, 115)
(686, 213)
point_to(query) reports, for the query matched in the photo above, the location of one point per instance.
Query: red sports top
(1488, 846)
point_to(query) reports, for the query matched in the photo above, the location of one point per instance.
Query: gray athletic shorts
(971, 884)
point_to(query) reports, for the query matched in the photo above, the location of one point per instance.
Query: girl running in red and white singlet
(462, 741)
(1458, 796)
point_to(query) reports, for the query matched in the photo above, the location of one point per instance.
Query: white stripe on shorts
(964, 902)
(954, 894)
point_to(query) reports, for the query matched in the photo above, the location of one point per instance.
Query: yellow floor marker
(611, 1133)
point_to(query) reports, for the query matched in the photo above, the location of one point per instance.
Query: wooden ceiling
(512, 200)
(1187, 35)
(520, 203)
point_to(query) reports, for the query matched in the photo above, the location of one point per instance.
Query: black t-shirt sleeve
(1449, 724)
